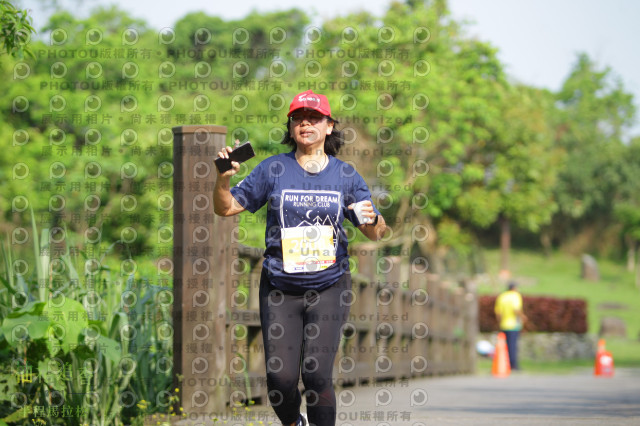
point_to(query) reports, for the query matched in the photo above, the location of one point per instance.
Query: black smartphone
(240, 154)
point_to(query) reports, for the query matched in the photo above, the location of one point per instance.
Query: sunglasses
(297, 118)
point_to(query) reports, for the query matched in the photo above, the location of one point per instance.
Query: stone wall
(552, 346)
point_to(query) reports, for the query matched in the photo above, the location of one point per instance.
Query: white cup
(357, 208)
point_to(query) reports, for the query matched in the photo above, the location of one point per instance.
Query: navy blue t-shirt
(315, 204)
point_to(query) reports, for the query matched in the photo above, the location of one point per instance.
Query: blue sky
(537, 41)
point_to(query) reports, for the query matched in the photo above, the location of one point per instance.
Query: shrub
(79, 343)
(544, 314)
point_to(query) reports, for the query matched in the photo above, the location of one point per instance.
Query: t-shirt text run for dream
(310, 201)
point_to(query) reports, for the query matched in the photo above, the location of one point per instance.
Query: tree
(15, 30)
(525, 165)
(487, 144)
(594, 111)
(627, 204)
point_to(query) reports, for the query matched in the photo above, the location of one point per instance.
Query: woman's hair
(332, 142)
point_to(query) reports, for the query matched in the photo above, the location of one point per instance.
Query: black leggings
(303, 327)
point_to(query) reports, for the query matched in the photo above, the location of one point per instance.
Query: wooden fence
(404, 321)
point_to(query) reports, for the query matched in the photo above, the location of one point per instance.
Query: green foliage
(433, 109)
(56, 328)
(73, 349)
(594, 112)
(15, 30)
(629, 216)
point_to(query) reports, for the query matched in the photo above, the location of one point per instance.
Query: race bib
(308, 248)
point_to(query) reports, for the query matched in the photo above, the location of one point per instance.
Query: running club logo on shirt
(309, 236)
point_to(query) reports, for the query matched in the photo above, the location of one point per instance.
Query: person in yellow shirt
(508, 310)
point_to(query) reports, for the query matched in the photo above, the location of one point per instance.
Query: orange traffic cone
(604, 361)
(501, 366)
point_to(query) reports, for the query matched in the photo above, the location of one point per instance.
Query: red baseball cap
(310, 100)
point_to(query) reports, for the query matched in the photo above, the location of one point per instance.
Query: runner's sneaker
(302, 420)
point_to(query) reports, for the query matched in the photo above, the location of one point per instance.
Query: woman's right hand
(235, 166)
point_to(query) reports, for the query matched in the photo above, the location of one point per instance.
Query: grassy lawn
(483, 367)
(558, 275)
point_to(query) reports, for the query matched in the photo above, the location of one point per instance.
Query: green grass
(559, 276)
(483, 366)
(626, 353)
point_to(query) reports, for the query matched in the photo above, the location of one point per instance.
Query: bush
(544, 314)
(80, 343)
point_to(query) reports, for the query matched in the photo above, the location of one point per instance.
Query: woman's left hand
(366, 209)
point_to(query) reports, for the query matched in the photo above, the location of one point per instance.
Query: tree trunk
(631, 252)
(545, 240)
(505, 246)
(637, 271)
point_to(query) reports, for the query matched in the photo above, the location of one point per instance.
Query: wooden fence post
(202, 254)
(393, 303)
(471, 328)
(419, 320)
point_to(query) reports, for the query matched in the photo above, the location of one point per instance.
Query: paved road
(521, 399)
(517, 400)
